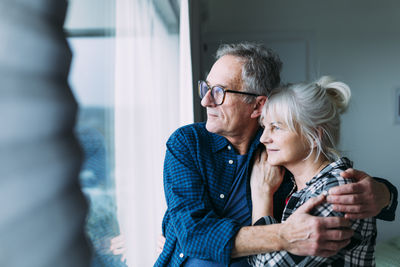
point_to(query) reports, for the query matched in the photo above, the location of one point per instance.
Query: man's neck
(242, 142)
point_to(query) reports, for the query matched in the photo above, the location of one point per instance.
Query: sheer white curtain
(153, 96)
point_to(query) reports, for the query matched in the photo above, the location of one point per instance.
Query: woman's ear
(258, 106)
(319, 134)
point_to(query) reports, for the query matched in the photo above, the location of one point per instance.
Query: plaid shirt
(199, 171)
(360, 251)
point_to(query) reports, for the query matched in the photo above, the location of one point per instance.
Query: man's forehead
(234, 80)
(226, 71)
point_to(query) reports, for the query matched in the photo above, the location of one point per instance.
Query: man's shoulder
(196, 137)
(192, 132)
(192, 128)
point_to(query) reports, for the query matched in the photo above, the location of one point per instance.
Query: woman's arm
(264, 181)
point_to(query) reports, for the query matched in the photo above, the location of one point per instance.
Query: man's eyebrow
(217, 84)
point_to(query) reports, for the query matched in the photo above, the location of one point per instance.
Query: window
(127, 76)
(91, 36)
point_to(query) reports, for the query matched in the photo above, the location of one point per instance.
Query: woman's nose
(265, 137)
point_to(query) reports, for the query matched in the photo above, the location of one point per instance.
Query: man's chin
(211, 127)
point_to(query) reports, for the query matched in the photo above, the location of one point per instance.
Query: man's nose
(208, 100)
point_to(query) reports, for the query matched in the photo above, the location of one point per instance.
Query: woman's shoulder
(330, 176)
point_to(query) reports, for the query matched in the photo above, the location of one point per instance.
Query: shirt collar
(220, 142)
(342, 163)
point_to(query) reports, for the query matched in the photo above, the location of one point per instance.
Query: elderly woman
(301, 129)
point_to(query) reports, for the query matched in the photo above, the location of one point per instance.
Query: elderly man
(206, 177)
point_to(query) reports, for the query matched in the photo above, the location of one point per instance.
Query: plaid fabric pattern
(198, 177)
(360, 252)
(199, 172)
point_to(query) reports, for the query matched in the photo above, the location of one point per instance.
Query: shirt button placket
(222, 196)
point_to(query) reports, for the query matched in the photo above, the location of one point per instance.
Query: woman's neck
(305, 170)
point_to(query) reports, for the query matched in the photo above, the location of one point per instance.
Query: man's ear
(258, 106)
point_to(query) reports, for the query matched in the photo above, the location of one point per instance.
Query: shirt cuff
(388, 213)
(266, 220)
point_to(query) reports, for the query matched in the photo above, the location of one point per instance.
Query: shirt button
(181, 255)
(222, 196)
(230, 161)
(229, 147)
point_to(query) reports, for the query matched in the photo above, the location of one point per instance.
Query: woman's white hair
(313, 111)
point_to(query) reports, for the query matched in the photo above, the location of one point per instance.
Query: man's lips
(272, 150)
(212, 115)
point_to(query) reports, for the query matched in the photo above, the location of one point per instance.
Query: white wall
(357, 42)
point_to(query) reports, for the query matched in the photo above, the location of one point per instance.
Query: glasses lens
(218, 94)
(203, 88)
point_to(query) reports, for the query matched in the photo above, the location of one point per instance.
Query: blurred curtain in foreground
(153, 97)
(43, 210)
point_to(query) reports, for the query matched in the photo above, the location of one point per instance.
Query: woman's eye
(274, 127)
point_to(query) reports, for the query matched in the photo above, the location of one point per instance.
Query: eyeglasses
(217, 92)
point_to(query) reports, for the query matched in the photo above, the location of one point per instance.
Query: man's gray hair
(261, 66)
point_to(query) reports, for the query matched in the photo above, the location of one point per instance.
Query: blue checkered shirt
(360, 251)
(199, 173)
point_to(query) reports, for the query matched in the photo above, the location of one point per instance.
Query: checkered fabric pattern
(360, 251)
(199, 171)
